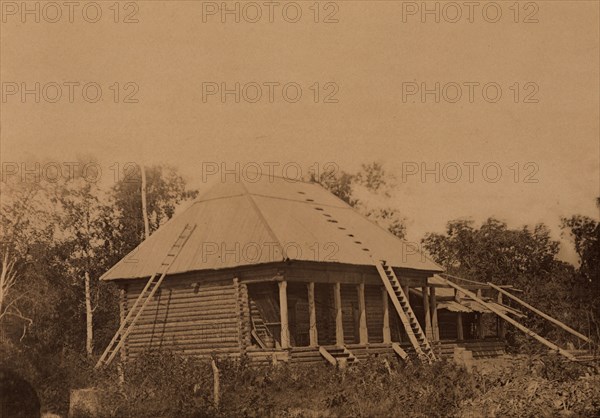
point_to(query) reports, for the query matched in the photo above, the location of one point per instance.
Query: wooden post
(283, 314)
(216, 385)
(387, 335)
(312, 312)
(434, 316)
(480, 330)
(459, 326)
(426, 313)
(339, 325)
(362, 316)
(501, 323)
(406, 290)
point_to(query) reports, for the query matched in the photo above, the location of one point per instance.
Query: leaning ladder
(407, 316)
(508, 319)
(144, 298)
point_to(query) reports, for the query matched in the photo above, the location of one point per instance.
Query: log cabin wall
(350, 313)
(325, 313)
(298, 314)
(187, 315)
(374, 307)
(203, 313)
(447, 321)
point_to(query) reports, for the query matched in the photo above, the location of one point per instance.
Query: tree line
(57, 238)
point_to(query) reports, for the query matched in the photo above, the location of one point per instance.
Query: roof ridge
(264, 221)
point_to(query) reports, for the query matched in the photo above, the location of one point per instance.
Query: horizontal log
(187, 291)
(192, 311)
(184, 327)
(193, 352)
(217, 341)
(215, 299)
(213, 343)
(171, 282)
(191, 303)
(165, 298)
(192, 325)
(179, 316)
(185, 347)
(181, 337)
(175, 335)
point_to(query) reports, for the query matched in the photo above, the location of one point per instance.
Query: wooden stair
(260, 332)
(338, 356)
(407, 316)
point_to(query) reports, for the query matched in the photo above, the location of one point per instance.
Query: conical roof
(269, 219)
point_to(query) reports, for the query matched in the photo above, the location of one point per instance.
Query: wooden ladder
(510, 320)
(407, 316)
(144, 298)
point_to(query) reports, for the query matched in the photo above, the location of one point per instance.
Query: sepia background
(373, 49)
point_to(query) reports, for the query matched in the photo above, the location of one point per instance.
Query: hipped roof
(266, 219)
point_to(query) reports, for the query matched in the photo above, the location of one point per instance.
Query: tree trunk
(89, 316)
(144, 207)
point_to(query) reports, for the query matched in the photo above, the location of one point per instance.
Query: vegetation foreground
(166, 385)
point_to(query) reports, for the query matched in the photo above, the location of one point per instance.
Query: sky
(492, 111)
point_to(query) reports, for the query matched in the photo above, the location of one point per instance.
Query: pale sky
(370, 55)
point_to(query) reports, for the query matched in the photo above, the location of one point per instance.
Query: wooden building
(278, 269)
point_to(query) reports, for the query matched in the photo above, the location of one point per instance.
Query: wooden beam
(339, 324)
(434, 315)
(327, 356)
(387, 335)
(511, 321)
(363, 332)
(542, 314)
(426, 313)
(312, 313)
(283, 314)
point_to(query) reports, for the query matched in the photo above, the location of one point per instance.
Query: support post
(459, 326)
(480, 329)
(339, 325)
(283, 314)
(387, 335)
(312, 320)
(434, 315)
(426, 313)
(363, 332)
(501, 323)
(406, 290)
